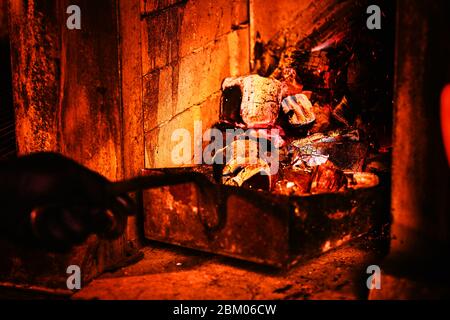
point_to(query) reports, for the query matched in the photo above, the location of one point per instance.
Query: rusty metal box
(257, 226)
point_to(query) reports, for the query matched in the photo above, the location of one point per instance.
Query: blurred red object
(445, 119)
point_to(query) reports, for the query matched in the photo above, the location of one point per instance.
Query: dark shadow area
(7, 125)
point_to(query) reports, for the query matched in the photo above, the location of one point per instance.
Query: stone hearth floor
(168, 272)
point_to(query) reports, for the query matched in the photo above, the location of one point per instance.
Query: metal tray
(257, 226)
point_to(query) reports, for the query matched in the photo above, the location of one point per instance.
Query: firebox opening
(315, 83)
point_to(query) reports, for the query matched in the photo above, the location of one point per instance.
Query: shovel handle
(149, 182)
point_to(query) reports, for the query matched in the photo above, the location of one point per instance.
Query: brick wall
(188, 48)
